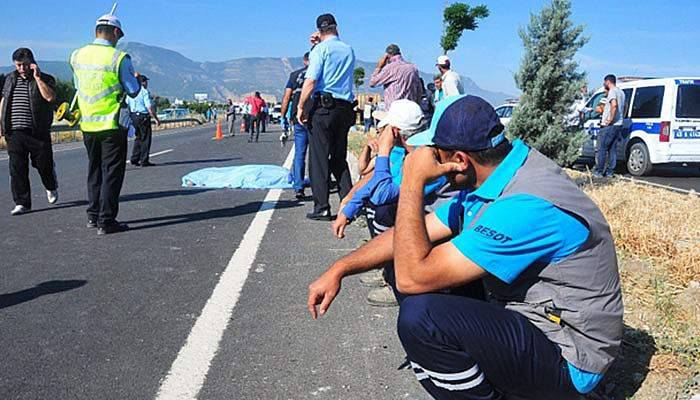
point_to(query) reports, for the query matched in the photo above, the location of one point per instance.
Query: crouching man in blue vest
(551, 324)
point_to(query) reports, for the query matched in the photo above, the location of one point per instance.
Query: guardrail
(66, 128)
(67, 134)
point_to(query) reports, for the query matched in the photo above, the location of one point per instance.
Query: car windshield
(688, 101)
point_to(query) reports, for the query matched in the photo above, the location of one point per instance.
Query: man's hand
(157, 122)
(386, 141)
(315, 38)
(36, 70)
(422, 166)
(323, 291)
(300, 114)
(338, 226)
(383, 61)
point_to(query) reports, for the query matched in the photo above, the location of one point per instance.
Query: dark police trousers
(328, 144)
(106, 166)
(142, 142)
(22, 146)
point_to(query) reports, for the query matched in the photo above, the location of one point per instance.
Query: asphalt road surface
(203, 298)
(687, 178)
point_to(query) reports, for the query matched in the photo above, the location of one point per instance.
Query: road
(203, 298)
(678, 177)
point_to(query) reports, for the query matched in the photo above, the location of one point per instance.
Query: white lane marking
(160, 153)
(189, 370)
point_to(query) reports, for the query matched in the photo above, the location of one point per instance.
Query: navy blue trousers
(464, 348)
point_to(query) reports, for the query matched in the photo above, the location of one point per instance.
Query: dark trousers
(23, 146)
(142, 143)
(263, 121)
(107, 163)
(608, 139)
(329, 149)
(464, 348)
(254, 127)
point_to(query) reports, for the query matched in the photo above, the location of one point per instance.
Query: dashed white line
(160, 153)
(189, 370)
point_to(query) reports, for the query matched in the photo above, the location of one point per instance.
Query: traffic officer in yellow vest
(103, 77)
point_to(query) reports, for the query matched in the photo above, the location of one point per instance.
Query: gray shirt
(614, 94)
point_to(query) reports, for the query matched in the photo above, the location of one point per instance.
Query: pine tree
(549, 80)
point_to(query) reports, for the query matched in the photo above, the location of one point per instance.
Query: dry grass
(657, 235)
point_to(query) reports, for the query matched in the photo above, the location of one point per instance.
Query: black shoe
(135, 163)
(148, 164)
(112, 228)
(320, 216)
(299, 194)
(91, 223)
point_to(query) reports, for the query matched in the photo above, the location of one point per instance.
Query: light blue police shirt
(331, 65)
(141, 103)
(514, 232)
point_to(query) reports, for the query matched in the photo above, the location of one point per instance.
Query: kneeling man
(551, 323)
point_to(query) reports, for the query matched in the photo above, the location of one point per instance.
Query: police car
(661, 121)
(505, 112)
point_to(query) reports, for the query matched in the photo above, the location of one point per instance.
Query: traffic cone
(219, 133)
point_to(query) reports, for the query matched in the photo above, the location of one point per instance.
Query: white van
(505, 112)
(661, 120)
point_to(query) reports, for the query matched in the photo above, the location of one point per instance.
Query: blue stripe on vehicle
(687, 82)
(648, 127)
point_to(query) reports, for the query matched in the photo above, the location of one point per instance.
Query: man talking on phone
(26, 116)
(550, 323)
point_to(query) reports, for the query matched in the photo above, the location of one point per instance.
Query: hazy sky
(658, 38)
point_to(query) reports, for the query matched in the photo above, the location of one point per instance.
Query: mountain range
(175, 76)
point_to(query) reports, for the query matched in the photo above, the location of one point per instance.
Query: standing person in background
(103, 76)
(330, 80)
(401, 79)
(292, 93)
(611, 128)
(439, 93)
(256, 107)
(367, 114)
(247, 121)
(451, 81)
(141, 110)
(264, 113)
(231, 117)
(25, 121)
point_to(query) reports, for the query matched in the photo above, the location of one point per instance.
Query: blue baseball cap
(461, 123)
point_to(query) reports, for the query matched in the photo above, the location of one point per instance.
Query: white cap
(109, 19)
(443, 60)
(403, 114)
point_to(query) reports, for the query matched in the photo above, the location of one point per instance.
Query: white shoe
(52, 196)
(18, 210)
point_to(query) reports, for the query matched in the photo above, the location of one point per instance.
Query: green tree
(549, 79)
(359, 76)
(64, 92)
(457, 18)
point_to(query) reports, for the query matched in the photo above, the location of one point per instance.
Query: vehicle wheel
(638, 162)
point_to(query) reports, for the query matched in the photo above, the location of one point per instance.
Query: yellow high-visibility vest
(100, 94)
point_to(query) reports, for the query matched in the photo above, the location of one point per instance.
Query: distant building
(201, 97)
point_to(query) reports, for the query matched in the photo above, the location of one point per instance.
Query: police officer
(329, 79)
(549, 324)
(141, 110)
(103, 76)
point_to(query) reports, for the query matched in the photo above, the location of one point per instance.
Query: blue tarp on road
(240, 177)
